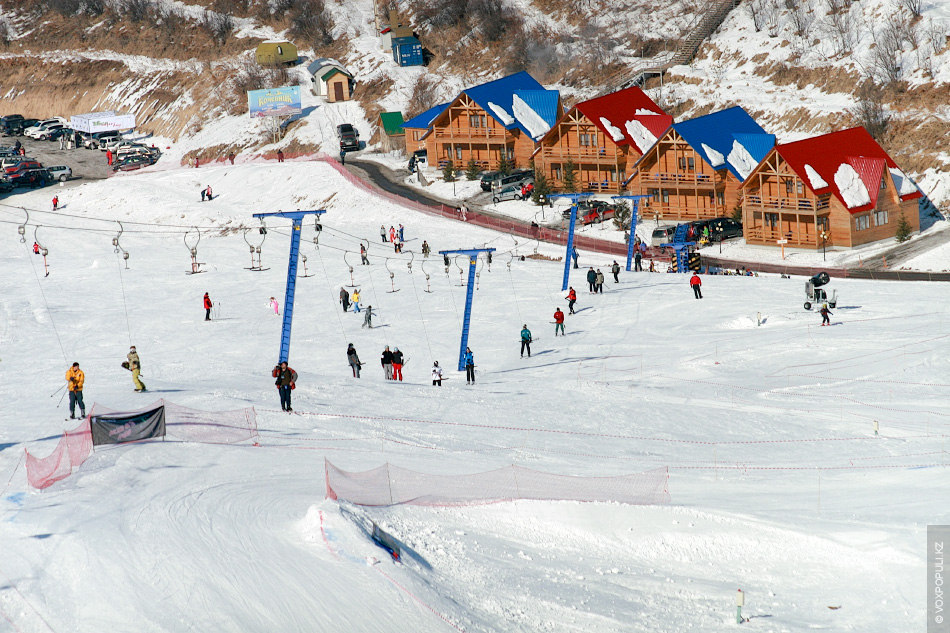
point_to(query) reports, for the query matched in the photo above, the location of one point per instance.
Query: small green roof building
(391, 135)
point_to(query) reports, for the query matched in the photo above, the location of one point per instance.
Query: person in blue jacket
(469, 367)
(525, 340)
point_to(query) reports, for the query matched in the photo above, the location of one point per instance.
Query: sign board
(781, 241)
(102, 122)
(274, 102)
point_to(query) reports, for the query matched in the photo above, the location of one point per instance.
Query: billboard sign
(102, 122)
(274, 102)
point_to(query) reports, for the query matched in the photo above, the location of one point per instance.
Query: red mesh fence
(72, 450)
(390, 485)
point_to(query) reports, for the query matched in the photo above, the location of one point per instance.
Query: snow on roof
(497, 97)
(501, 113)
(716, 159)
(853, 192)
(817, 182)
(537, 126)
(719, 131)
(904, 185)
(615, 133)
(640, 135)
(741, 160)
(645, 112)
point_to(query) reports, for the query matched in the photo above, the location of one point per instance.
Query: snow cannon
(815, 295)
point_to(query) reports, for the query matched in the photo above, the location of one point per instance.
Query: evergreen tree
(904, 229)
(448, 172)
(622, 216)
(569, 181)
(737, 213)
(541, 189)
(505, 165)
(472, 171)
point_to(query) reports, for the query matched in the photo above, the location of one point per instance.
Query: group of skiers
(392, 362)
(76, 379)
(347, 299)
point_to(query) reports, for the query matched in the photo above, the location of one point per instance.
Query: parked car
(5, 184)
(22, 165)
(349, 143)
(55, 134)
(35, 130)
(662, 235)
(32, 178)
(597, 214)
(12, 161)
(136, 149)
(724, 229)
(517, 177)
(96, 139)
(112, 142)
(10, 123)
(347, 128)
(16, 128)
(418, 160)
(131, 163)
(511, 192)
(61, 173)
(51, 132)
(487, 178)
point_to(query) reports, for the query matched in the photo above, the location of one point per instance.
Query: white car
(61, 173)
(34, 131)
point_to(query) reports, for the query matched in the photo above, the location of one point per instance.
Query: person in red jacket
(109, 157)
(696, 284)
(558, 322)
(207, 307)
(571, 299)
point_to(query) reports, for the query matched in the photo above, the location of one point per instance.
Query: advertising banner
(102, 122)
(274, 102)
(118, 428)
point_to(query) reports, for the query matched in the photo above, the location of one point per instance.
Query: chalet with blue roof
(419, 127)
(695, 169)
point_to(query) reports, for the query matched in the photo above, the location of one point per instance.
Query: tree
(904, 229)
(542, 189)
(869, 111)
(737, 213)
(569, 180)
(622, 216)
(505, 164)
(471, 171)
(448, 172)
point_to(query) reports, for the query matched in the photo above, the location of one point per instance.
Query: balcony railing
(580, 153)
(472, 134)
(788, 204)
(678, 179)
(770, 235)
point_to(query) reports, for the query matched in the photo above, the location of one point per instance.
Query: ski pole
(57, 391)
(61, 398)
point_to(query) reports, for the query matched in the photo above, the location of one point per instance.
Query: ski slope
(779, 484)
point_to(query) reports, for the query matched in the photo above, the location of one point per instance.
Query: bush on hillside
(311, 22)
(425, 95)
(218, 25)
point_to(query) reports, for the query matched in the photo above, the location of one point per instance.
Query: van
(487, 178)
(662, 235)
(517, 177)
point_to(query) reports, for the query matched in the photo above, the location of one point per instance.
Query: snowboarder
(599, 284)
(425, 249)
(280, 156)
(558, 322)
(571, 299)
(469, 367)
(397, 364)
(275, 306)
(345, 299)
(74, 380)
(135, 366)
(382, 232)
(696, 283)
(55, 202)
(615, 269)
(637, 256)
(386, 360)
(824, 314)
(525, 340)
(363, 256)
(355, 298)
(286, 381)
(574, 256)
(368, 317)
(207, 304)
(208, 192)
(436, 374)
(354, 360)
(591, 280)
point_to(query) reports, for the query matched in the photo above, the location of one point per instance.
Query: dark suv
(11, 123)
(349, 137)
(724, 229)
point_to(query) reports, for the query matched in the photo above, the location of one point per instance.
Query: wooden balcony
(798, 205)
(472, 135)
(768, 236)
(690, 180)
(581, 154)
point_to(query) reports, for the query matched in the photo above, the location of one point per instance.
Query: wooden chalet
(842, 185)
(392, 137)
(496, 120)
(695, 169)
(603, 138)
(419, 128)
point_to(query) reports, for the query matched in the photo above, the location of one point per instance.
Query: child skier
(824, 314)
(558, 322)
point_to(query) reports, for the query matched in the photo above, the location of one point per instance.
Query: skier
(425, 249)
(208, 192)
(382, 232)
(637, 256)
(824, 314)
(571, 299)
(397, 364)
(135, 366)
(525, 340)
(696, 283)
(368, 318)
(74, 379)
(231, 157)
(574, 256)
(363, 256)
(355, 298)
(274, 305)
(615, 269)
(204, 194)
(469, 367)
(558, 322)
(591, 280)
(36, 248)
(345, 299)
(207, 304)
(55, 202)
(286, 381)
(387, 362)
(354, 360)
(392, 233)
(599, 284)
(280, 156)
(436, 374)
(402, 233)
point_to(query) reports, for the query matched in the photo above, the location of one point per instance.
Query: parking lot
(87, 164)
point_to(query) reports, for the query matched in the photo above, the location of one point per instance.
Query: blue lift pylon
(574, 198)
(296, 217)
(634, 218)
(472, 254)
(681, 247)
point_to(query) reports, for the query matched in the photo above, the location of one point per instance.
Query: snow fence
(390, 485)
(190, 425)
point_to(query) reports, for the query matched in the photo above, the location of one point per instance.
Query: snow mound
(817, 182)
(853, 191)
(642, 137)
(501, 113)
(716, 159)
(615, 133)
(741, 159)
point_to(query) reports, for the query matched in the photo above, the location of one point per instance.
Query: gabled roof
(729, 138)
(392, 123)
(320, 65)
(496, 98)
(830, 162)
(333, 71)
(536, 110)
(424, 120)
(628, 117)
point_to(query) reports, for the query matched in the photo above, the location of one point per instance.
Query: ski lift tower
(634, 216)
(574, 198)
(296, 217)
(472, 254)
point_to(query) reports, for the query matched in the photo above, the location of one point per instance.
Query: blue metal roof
(424, 120)
(719, 130)
(544, 102)
(501, 93)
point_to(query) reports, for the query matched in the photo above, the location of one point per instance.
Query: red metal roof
(622, 106)
(826, 153)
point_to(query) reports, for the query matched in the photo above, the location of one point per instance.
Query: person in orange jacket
(571, 299)
(558, 322)
(207, 305)
(696, 284)
(74, 380)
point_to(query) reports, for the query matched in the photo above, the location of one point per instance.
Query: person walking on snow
(135, 366)
(355, 298)
(558, 322)
(402, 233)
(368, 317)
(615, 269)
(425, 249)
(469, 366)
(525, 340)
(824, 314)
(345, 299)
(387, 362)
(231, 157)
(574, 256)
(204, 194)
(591, 280)
(382, 232)
(74, 380)
(637, 256)
(571, 299)
(280, 156)
(208, 193)
(286, 381)
(392, 233)
(696, 284)
(55, 202)
(599, 283)
(207, 304)
(363, 256)
(398, 362)
(436, 374)
(275, 306)
(354, 360)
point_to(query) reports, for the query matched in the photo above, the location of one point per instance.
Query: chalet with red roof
(603, 137)
(841, 185)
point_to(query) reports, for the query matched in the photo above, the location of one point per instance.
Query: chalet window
(883, 184)
(458, 153)
(585, 140)
(665, 195)
(771, 220)
(862, 222)
(822, 223)
(800, 187)
(880, 218)
(654, 193)
(720, 198)
(687, 163)
(557, 173)
(477, 120)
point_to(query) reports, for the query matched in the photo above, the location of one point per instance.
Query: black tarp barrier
(119, 428)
